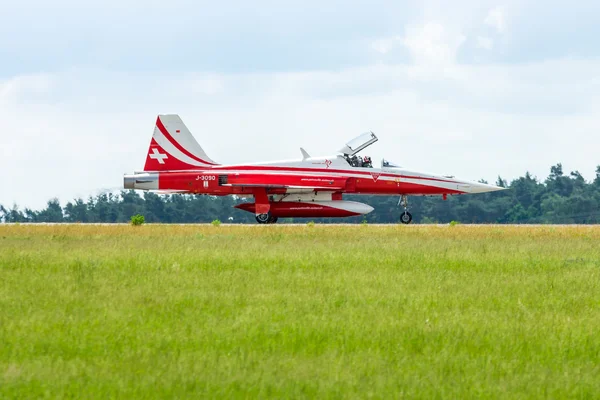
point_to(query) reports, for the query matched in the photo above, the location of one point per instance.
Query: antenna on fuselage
(305, 155)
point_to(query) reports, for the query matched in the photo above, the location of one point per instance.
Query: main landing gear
(266, 218)
(405, 217)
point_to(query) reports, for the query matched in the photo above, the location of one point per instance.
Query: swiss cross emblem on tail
(375, 176)
(158, 156)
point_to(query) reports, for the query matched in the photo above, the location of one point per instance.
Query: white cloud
(484, 42)
(496, 18)
(431, 43)
(206, 85)
(25, 86)
(385, 45)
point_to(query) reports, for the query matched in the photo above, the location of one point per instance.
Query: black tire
(263, 218)
(406, 217)
(272, 220)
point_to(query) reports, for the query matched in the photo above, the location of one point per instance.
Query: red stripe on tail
(170, 138)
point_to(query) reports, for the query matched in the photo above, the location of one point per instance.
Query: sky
(475, 89)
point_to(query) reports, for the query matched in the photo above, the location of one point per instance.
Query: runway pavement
(302, 224)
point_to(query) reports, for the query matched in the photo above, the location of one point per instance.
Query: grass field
(299, 312)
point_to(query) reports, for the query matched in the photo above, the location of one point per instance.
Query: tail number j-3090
(206, 179)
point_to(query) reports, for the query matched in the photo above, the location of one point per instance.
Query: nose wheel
(405, 217)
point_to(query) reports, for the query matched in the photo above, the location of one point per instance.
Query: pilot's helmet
(367, 159)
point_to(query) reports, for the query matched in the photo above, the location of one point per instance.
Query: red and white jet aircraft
(310, 187)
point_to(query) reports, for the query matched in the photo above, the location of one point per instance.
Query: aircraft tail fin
(174, 148)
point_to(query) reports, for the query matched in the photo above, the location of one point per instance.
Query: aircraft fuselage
(310, 187)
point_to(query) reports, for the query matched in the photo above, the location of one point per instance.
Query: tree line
(560, 199)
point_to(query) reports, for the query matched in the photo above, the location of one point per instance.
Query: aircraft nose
(477, 187)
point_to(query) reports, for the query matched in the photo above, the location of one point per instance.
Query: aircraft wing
(173, 191)
(279, 181)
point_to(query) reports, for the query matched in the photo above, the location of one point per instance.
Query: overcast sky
(473, 88)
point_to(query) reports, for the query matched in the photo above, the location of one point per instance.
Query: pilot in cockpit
(354, 146)
(358, 161)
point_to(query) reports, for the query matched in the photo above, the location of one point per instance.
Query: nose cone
(477, 187)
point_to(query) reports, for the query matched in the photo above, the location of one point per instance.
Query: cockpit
(388, 164)
(358, 161)
(357, 144)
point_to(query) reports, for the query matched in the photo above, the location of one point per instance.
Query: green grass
(299, 312)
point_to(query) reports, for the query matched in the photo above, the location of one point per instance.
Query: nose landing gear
(405, 217)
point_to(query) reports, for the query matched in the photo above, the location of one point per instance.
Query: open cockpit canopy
(359, 143)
